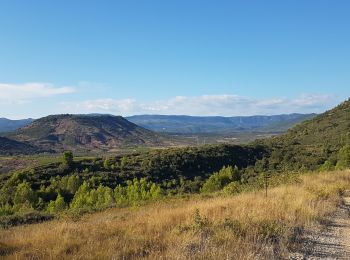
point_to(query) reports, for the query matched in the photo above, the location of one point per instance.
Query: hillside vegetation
(122, 180)
(245, 226)
(312, 143)
(12, 147)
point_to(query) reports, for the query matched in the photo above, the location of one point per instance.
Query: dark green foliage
(68, 158)
(308, 145)
(176, 170)
(12, 147)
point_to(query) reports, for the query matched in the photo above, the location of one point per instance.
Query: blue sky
(173, 57)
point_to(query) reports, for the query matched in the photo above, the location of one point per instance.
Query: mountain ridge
(218, 124)
(85, 132)
(8, 125)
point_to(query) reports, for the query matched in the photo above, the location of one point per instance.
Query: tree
(57, 205)
(81, 197)
(68, 158)
(236, 175)
(327, 166)
(73, 183)
(218, 180)
(123, 162)
(343, 158)
(107, 164)
(25, 195)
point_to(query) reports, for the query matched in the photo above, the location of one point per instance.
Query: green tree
(8, 190)
(218, 180)
(343, 158)
(123, 162)
(56, 206)
(68, 158)
(327, 166)
(81, 197)
(25, 195)
(236, 174)
(107, 164)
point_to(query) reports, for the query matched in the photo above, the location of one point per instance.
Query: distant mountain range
(218, 124)
(194, 124)
(8, 125)
(96, 133)
(86, 133)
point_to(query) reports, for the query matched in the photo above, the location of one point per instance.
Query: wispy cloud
(23, 93)
(224, 105)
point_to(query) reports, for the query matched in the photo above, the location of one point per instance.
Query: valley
(130, 173)
(174, 130)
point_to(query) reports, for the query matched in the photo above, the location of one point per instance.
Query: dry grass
(245, 226)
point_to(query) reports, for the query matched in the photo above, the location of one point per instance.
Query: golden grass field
(244, 226)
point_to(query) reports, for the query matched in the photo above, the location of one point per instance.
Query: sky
(190, 57)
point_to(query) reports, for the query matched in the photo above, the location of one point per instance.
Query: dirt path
(333, 242)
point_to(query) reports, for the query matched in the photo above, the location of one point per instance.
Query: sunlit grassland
(243, 226)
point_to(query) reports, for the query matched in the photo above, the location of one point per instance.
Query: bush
(327, 166)
(233, 188)
(68, 158)
(20, 219)
(218, 180)
(58, 205)
(343, 158)
(25, 195)
(136, 191)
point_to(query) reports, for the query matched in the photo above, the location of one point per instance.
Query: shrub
(232, 188)
(68, 158)
(218, 180)
(343, 158)
(136, 191)
(327, 166)
(58, 205)
(25, 195)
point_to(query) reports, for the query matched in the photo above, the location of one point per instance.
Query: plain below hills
(218, 124)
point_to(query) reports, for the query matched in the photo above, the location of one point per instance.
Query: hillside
(218, 124)
(86, 133)
(7, 125)
(310, 143)
(246, 226)
(12, 147)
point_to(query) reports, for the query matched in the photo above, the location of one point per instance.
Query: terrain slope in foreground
(245, 226)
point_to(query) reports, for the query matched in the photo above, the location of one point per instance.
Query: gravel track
(333, 240)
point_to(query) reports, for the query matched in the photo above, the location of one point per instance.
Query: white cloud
(207, 105)
(24, 93)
